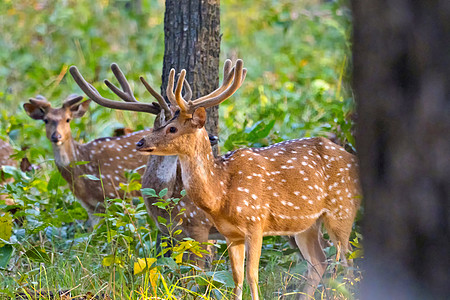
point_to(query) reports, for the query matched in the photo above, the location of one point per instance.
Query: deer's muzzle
(56, 137)
(141, 146)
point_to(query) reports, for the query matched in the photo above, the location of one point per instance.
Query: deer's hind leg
(339, 230)
(310, 244)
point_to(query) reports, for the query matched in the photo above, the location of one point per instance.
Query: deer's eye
(68, 120)
(173, 129)
(46, 121)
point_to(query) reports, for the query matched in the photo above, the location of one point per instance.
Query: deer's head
(177, 135)
(57, 120)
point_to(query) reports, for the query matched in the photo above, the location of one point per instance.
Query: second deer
(107, 158)
(289, 188)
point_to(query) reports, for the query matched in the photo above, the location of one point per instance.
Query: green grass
(297, 54)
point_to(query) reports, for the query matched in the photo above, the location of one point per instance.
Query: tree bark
(192, 42)
(402, 87)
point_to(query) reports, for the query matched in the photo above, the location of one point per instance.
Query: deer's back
(107, 159)
(289, 183)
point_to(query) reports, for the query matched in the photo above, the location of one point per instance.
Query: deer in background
(5, 157)
(107, 158)
(288, 188)
(5, 160)
(161, 171)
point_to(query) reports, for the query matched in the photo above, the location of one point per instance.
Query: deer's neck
(202, 175)
(65, 153)
(161, 172)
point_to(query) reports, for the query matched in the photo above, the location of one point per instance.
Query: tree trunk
(192, 42)
(402, 87)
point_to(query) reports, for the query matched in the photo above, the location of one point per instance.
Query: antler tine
(126, 95)
(159, 98)
(188, 91)
(238, 78)
(169, 89)
(228, 75)
(244, 74)
(40, 101)
(93, 94)
(180, 101)
(71, 100)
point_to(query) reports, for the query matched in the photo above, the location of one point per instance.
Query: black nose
(140, 144)
(55, 137)
(214, 140)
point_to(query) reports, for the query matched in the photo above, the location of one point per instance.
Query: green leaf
(162, 220)
(167, 262)
(163, 192)
(260, 131)
(38, 254)
(5, 227)
(111, 235)
(5, 255)
(161, 205)
(78, 163)
(9, 170)
(55, 181)
(149, 192)
(90, 177)
(111, 260)
(358, 253)
(134, 186)
(223, 277)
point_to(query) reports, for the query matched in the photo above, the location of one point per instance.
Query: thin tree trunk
(192, 42)
(402, 87)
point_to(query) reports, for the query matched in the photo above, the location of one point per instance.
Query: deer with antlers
(161, 171)
(288, 188)
(106, 158)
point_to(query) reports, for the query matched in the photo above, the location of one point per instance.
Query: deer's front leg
(253, 244)
(236, 251)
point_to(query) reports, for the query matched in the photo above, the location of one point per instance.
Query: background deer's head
(57, 120)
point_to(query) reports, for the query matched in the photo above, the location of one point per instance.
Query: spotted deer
(161, 171)
(5, 160)
(107, 158)
(5, 157)
(288, 188)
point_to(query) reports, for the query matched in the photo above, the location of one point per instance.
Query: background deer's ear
(34, 111)
(78, 110)
(199, 117)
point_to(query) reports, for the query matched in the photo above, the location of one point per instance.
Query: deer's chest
(229, 229)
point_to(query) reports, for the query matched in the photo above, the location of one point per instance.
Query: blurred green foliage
(297, 53)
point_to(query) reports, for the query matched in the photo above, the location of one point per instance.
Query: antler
(40, 101)
(160, 99)
(126, 94)
(71, 100)
(233, 78)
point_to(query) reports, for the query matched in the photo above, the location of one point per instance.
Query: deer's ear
(34, 111)
(199, 117)
(78, 110)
